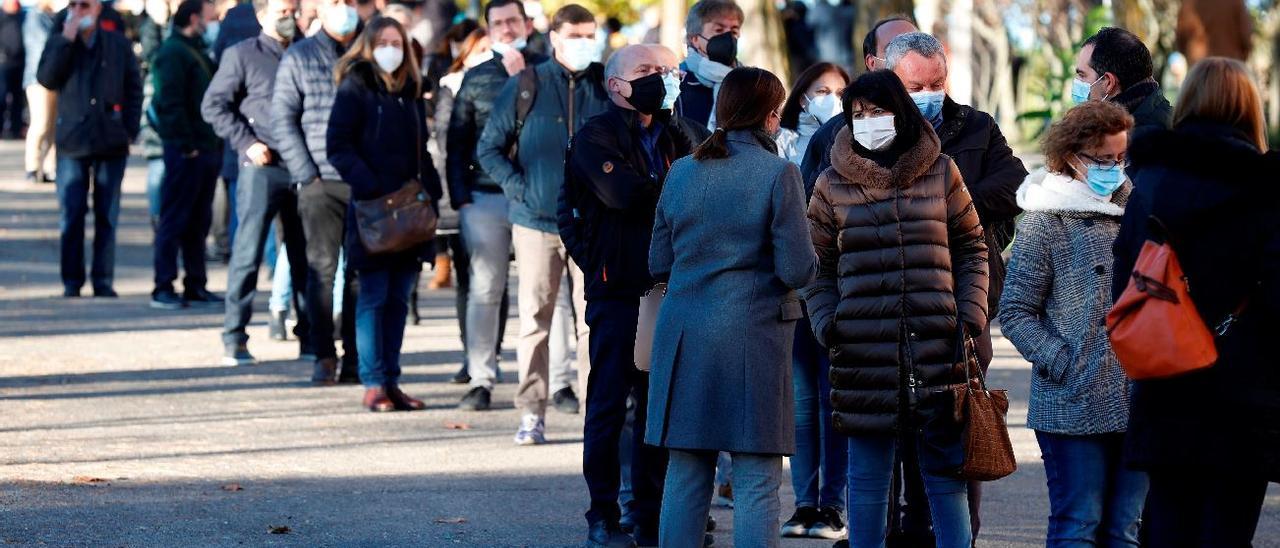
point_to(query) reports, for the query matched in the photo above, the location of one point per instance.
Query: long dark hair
(406, 75)
(792, 108)
(884, 89)
(747, 96)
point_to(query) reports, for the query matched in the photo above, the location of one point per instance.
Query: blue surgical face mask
(1104, 181)
(1080, 90)
(211, 30)
(930, 105)
(672, 86)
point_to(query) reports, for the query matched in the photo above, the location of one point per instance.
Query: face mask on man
(501, 48)
(286, 27)
(824, 107)
(85, 22)
(1080, 90)
(648, 93)
(722, 48)
(388, 58)
(930, 105)
(342, 19)
(210, 33)
(579, 53)
(1103, 181)
(875, 133)
(671, 90)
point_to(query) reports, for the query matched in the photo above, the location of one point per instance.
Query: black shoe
(607, 535)
(237, 354)
(275, 326)
(166, 299)
(203, 298)
(323, 372)
(828, 525)
(565, 401)
(70, 292)
(462, 377)
(842, 543)
(105, 293)
(800, 522)
(350, 372)
(475, 400)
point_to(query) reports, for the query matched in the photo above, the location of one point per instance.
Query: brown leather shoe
(376, 400)
(325, 371)
(404, 402)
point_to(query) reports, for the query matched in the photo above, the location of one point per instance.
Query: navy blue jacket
(238, 101)
(377, 140)
(696, 100)
(532, 182)
(99, 93)
(606, 210)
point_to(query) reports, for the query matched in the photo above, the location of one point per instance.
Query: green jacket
(180, 72)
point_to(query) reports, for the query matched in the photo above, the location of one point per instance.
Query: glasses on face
(1106, 164)
(80, 5)
(645, 70)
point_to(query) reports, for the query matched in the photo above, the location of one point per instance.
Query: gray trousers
(486, 231)
(687, 499)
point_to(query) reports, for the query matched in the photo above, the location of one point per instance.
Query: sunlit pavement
(117, 426)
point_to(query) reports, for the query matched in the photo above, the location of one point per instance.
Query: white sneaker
(532, 430)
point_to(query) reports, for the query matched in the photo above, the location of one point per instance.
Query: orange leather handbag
(1155, 329)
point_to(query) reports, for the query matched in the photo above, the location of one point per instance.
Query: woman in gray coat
(730, 236)
(1055, 298)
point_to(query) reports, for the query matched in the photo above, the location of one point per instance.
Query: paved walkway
(118, 428)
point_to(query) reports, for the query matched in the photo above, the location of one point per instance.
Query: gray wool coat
(730, 235)
(1055, 303)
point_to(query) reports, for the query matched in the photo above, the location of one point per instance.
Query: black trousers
(13, 99)
(323, 208)
(613, 378)
(1201, 509)
(263, 192)
(186, 209)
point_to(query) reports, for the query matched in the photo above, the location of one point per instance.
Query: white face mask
(824, 107)
(502, 48)
(388, 58)
(579, 53)
(342, 19)
(875, 133)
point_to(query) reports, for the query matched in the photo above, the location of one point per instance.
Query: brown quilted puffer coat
(901, 254)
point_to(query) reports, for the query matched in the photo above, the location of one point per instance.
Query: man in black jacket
(98, 113)
(12, 58)
(300, 105)
(614, 173)
(238, 105)
(481, 206)
(711, 31)
(180, 73)
(1114, 65)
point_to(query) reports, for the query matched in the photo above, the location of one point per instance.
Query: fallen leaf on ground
(232, 487)
(455, 521)
(88, 480)
(457, 426)
(279, 529)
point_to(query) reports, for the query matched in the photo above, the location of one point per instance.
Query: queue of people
(817, 255)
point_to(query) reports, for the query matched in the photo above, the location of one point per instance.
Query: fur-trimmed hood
(863, 171)
(1063, 195)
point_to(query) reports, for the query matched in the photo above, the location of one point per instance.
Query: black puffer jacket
(300, 105)
(1216, 194)
(901, 257)
(471, 107)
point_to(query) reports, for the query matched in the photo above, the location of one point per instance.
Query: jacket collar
(954, 118)
(594, 72)
(864, 172)
(270, 44)
(1057, 193)
(1131, 99)
(329, 43)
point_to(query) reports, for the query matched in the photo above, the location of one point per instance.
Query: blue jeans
(155, 176)
(687, 499)
(819, 467)
(1093, 499)
(382, 307)
(74, 175)
(871, 458)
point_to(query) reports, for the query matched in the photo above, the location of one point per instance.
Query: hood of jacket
(863, 171)
(1059, 194)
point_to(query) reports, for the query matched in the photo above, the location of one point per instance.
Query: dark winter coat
(532, 181)
(12, 52)
(300, 105)
(696, 99)
(901, 260)
(471, 107)
(606, 211)
(1150, 110)
(1216, 195)
(239, 24)
(377, 140)
(99, 93)
(180, 72)
(730, 237)
(443, 104)
(238, 101)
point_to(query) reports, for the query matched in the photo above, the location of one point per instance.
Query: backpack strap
(527, 91)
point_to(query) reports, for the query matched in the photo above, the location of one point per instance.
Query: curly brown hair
(1084, 126)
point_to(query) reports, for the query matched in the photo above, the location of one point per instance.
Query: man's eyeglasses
(657, 69)
(80, 5)
(1105, 164)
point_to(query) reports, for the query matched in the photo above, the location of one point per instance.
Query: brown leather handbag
(397, 221)
(988, 451)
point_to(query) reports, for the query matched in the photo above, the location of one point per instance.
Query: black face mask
(647, 93)
(722, 48)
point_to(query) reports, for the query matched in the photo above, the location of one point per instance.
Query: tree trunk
(1214, 28)
(764, 45)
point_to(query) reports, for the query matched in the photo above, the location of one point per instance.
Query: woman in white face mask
(815, 98)
(377, 141)
(902, 269)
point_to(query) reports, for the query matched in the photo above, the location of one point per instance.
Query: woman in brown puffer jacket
(901, 262)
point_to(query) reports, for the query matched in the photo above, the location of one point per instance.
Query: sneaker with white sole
(828, 525)
(237, 354)
(532, 431)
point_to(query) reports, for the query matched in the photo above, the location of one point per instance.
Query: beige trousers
(43, 106)
(541, 262)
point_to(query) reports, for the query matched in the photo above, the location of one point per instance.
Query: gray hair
(704, 10)
(923, 44)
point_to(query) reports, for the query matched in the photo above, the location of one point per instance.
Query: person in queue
(729, 392)
(889, 178)
(1055, 298)
(1114, 65)
(712, 29)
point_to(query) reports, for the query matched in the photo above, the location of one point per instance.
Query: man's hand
(71, 27)
(258, 153)
(513, 61)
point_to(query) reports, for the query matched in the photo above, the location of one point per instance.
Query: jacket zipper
(571, 123)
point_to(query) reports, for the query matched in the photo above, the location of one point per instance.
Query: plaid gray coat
(1055, 301)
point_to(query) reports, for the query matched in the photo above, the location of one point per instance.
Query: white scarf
(1053, 192)
(710, 74)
